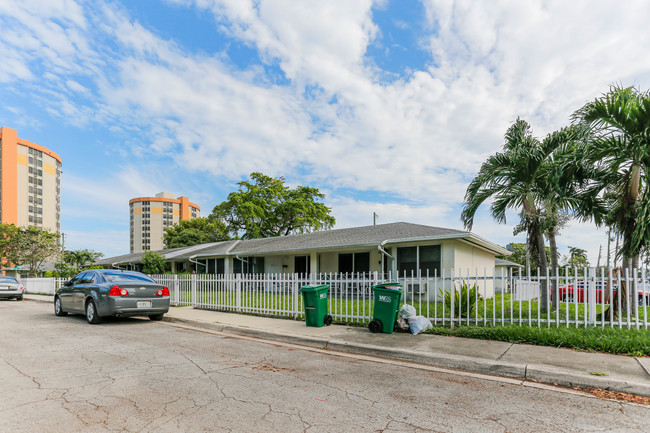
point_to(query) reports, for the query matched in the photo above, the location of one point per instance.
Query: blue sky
(387, 106)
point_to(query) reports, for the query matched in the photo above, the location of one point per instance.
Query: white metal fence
(594, 300)
(591, 300)
(42, 286)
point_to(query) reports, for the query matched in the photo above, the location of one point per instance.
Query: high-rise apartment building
(30, 183)
(150, 216)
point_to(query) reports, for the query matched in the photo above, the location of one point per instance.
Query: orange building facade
(30, 183)
(151, 216)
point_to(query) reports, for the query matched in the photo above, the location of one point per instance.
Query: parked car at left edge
(11, 288)
(99, 293)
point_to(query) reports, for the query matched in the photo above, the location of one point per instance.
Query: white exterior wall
(475, 261)
(329, 262)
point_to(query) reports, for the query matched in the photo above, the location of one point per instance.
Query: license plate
(144, 304)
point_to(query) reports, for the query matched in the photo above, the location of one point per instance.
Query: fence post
(175, 289)
(238, 293)
(452, 292)
(295, 293)
(591, 296)
(193, 286)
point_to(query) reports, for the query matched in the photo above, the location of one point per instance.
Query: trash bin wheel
(328, 320)
(375, 326)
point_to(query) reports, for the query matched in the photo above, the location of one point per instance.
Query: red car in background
(581, 292)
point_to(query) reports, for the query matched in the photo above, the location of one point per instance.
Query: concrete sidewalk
(539, 363)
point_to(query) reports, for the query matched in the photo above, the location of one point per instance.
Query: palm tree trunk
(536, 234)
(543, 270)
(554, 265)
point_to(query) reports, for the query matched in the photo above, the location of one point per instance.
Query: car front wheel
(91, 313)
(58, 311)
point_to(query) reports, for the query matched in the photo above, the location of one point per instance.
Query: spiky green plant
(465, 300)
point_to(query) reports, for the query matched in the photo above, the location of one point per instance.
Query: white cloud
(417, 140)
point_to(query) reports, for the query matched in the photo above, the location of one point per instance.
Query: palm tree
(567, 187)
(511, 178)
(620, 146)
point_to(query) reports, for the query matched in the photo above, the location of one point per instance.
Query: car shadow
(108, 321)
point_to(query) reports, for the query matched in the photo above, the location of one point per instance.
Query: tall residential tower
(150, 216)
(30, 183)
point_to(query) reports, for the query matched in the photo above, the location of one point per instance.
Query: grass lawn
(566, 327)
(634, 342)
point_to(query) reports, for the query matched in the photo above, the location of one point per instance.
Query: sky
(386, 106)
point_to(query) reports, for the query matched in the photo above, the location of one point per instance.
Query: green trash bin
(315, 301)
(386, 306)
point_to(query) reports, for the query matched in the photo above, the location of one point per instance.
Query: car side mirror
(67, 283)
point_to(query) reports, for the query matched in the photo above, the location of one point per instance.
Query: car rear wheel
(58, 311)
(156, 317)
(567, 298)
(91, 313)
(19, 298)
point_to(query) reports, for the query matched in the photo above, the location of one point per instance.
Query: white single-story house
(506, 268)
(396, 248)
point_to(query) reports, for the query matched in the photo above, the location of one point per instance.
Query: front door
(301, 265)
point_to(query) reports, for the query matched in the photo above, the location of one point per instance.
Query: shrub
(465, 300)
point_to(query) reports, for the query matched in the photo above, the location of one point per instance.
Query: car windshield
(119, 276)
(8, 280)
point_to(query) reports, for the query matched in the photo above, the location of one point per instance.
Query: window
(78, 279)
(426, 258)
(216, 266)
(248, 265)
(354, 262)
(119, 276)
(430, 259)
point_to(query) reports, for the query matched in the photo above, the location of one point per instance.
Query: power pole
(600, 250)
(374, 218)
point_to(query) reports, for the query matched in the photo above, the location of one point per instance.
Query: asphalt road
(133, 375)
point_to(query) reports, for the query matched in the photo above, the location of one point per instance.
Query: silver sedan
(11, 288)
(101, 293)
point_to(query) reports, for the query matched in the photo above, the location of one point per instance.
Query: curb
(554, 375)
(42, 301)
(539, 373)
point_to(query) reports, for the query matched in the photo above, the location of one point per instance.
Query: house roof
(381, 234)
(501, 262)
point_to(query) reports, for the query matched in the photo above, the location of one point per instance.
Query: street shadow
(106, 321)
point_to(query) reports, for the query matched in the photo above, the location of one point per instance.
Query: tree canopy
(195, 231)
(620, 146)
(153, 263)
(267, 207)
(30, 246)
(74, 261)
